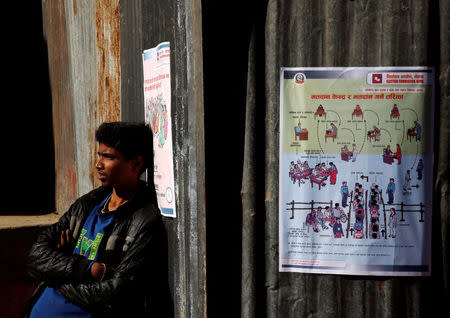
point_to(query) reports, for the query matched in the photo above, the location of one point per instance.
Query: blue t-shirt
(52, 304)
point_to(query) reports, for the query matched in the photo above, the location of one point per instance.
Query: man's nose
(99, 164)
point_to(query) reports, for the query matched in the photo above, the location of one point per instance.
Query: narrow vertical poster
(157, 95)
(356, 170)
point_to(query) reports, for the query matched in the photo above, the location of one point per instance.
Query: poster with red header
(157, 95)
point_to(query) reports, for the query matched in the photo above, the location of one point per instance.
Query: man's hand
(100, 270)
(65, 241)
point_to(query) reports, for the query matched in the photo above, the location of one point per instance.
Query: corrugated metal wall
(96, 75)
(95, 67)
(338, 33)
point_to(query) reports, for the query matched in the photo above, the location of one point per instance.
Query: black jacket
(135, 246)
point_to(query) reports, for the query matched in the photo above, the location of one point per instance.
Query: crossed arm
(98, 288)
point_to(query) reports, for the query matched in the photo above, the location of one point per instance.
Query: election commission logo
(299, 78)
(377, 78)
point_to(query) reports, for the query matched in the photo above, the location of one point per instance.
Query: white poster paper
(157, 94)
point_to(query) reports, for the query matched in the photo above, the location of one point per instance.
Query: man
(344, 193)
(337, 229)
(419, 169)
(311, 219)
(418, 129)
(106, 257)
(390, 190)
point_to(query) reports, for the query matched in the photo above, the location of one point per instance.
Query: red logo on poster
(377, 78)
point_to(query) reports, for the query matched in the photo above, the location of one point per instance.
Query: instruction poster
(156, 63)
(356, 170)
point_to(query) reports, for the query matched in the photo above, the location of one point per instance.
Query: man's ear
(138, 163)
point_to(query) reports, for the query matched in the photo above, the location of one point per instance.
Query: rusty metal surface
(83, 41)
(55, 33)
(349, 33)
(94, 46)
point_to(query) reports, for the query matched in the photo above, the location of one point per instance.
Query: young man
(106, 256)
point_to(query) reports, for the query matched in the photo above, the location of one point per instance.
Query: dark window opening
(27, 148)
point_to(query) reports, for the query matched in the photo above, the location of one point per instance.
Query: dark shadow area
(27, 158)
(225, 53)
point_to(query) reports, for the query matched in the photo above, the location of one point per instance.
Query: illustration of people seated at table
(394, 112)
(299, 171)
(320, 112)
(320, 174)
(301, 133)
(331, 133)
(415, 131)
(375, 134)
(357, 112)
(347, 154)
(389, 156)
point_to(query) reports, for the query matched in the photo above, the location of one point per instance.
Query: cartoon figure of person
(360, 190)
(377, 133)
(419, 169)
(163, 125)
(354, 152)
(311, 219)
(321, 218)
(337, 229)
(329, 216)
(358, 232)
(333, 173)
(320, 107)
(344, 193)
(298, 129)
(398, 154)
(388, 151)
(390, 191)
(418, 129)
(392, 223)
(407, 185)
(395, 109)
(291, 169)
(337, 211)
(334, 130)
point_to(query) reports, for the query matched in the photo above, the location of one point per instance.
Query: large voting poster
(157, 95)
(356, 170)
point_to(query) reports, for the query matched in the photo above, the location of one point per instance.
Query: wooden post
(402, 219)
(293, 203)
(421, 212)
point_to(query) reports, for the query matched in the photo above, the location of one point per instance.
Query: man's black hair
(130, 139)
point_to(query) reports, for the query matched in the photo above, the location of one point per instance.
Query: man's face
(113, 170)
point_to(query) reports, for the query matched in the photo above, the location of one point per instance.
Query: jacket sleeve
(136, 273)
(51, 265)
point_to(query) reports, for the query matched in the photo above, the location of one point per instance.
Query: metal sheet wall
(340, 33)
(84, 64)
(95, 66)
(144, 24)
